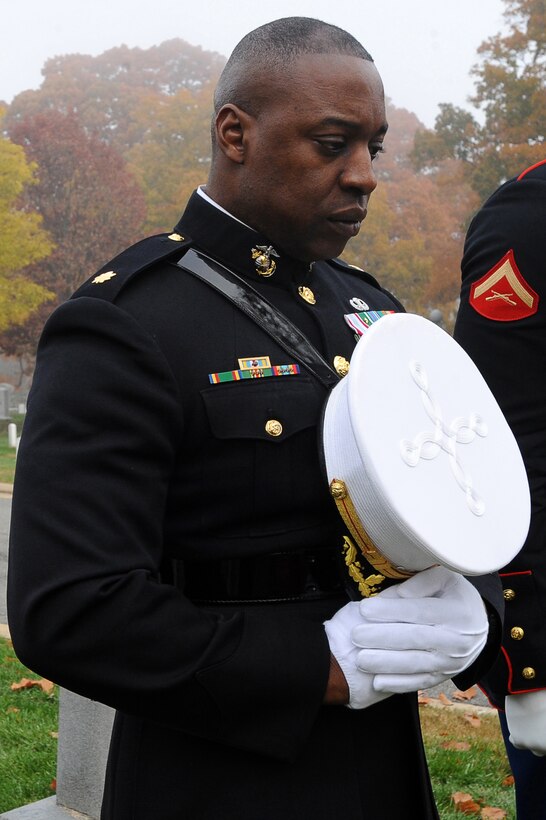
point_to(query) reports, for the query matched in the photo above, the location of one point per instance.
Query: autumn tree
(23, 240)
(173, 156)
(510, 88)
(153, 105)
(90, 205)
(107, 91)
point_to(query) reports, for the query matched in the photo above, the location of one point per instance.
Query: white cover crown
(427, 457)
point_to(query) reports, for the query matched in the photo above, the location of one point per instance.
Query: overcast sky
(424, 49)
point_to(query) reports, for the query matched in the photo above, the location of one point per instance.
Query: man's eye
(375, 150)
(332, 146)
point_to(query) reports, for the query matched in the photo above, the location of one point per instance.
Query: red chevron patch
(502, 294)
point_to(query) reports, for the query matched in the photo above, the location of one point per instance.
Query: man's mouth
(347, 222)
(346, 227)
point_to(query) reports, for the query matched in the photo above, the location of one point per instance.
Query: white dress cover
(428, 460)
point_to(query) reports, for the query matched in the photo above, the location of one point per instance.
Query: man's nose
(359, 173)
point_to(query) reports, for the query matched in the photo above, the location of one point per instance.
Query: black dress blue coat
(507, 340)
(129, 458)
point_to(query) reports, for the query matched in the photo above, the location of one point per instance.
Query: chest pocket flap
(271, 409)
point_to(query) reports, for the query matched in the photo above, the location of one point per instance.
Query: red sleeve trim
(512, 691)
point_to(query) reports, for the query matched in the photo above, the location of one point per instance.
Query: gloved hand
(421, 632)
(338, 629)
(526, 719)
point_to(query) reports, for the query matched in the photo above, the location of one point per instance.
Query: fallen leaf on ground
(492, 813)
(456, 745)
(468, 694)
(474, 720)
(508, 780)
(444, 699)
(465, 803)
(422, 699)
(12, 710)
(53, 785)
(26, 683)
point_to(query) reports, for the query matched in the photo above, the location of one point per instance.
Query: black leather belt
(279, 576)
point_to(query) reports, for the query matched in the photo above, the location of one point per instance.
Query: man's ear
(232, 126)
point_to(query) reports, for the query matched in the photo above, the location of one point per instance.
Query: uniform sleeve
(511, 355)
(86, 606)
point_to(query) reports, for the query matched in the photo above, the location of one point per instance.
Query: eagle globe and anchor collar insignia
(265, 265)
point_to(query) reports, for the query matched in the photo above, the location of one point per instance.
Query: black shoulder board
(112, 277)
(343, 265)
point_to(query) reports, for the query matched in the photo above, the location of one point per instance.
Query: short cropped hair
(272, 47)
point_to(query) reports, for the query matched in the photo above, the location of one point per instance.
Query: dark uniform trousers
(133, 458)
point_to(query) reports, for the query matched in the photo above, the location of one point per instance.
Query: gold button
(338, 488)
(341, 365)
(509, 594)
(307, 294)
(273, 427)
(517, 633)
(529, 673)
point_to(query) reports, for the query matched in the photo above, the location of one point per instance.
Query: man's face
(307, 173)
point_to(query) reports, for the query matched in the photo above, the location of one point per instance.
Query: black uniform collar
(232, 243)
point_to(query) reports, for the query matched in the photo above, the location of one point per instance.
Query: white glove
(526, 719)
(421, 632)
(338, 629)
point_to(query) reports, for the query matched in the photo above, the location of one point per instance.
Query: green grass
(7, 461)
(7, 454)
(28, 744)
(478, 771)
(28, 748)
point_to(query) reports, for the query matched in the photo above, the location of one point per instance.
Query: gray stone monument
(84, 737)
(5, 399)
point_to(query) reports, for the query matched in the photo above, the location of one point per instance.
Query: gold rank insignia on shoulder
(307, 294)
(265, 266)
(103, 277)
(176, 237)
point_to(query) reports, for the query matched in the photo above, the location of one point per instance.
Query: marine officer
(174, 545)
